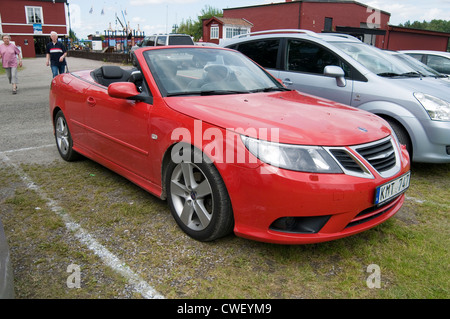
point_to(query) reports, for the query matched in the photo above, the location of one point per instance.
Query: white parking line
(27, 149)
(140, 285)
(423, 201)
(416, 200)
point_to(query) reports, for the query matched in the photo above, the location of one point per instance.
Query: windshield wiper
(221, 92)
(407, 74)
(207, 92)
(225, 92)
(270, 89)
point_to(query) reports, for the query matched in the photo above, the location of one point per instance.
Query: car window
(439, 63)
(304, 56)
(416, 56)
(150, 41)
(308, 57)
(263, 52)
(180, 40)
(161, 41)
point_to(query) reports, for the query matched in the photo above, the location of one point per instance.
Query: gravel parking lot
(59, 216)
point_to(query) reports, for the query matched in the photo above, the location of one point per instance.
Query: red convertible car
(230, 148)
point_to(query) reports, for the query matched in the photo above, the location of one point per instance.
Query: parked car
(206, 44)
(342, 68)
(231, 148)
(162, 40)
(438, 60)
(6, 272)
(422, 69)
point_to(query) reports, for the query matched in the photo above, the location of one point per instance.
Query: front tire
(198, 199)
(63, 138)
(402, 135)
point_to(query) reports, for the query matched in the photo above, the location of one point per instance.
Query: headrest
(112, 72)
(135, 76)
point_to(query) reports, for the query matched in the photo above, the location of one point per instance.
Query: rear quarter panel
(68, 93)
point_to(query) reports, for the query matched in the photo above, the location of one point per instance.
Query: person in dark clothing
(56, 54)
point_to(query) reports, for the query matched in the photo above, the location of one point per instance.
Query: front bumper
(431, 140)
(338, 205)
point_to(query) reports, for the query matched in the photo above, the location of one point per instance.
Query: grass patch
(411, 248)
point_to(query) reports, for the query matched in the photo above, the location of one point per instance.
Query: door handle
(287, 82)
(91, 101)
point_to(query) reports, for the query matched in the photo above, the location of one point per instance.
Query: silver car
(438, 60)
(342, 68)
(162, 40)
(421, 68)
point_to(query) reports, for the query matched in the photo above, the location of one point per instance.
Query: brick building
(29, 22)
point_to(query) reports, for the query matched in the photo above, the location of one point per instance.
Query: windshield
(423, 69)
(207, 71)
(376, 60)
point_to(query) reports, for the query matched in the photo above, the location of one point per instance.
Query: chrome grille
(380, 155)
(347, 161)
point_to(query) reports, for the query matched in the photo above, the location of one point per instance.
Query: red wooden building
(314, 15)
(400, 38)
(29, 23)
(343, 16)
(223, 28)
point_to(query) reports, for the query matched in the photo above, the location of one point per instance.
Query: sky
(158, 16)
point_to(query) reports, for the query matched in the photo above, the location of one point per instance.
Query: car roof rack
(341, 35)
(308, 32)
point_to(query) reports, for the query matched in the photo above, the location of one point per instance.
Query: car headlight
(312, 159)
(438, 109)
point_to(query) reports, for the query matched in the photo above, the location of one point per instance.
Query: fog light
(305, 225)
(448, 149)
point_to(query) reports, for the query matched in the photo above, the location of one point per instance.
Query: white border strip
(139, 284)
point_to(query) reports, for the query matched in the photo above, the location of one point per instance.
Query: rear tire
(198, 199)
(63, 138)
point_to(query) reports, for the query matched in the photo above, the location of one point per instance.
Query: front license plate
(392, 188)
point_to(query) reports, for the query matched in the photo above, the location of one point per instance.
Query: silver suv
(343, 69)
(162, 40)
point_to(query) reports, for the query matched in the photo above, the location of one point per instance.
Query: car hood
(301, 119)
(434, 86)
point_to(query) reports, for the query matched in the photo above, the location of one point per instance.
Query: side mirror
(125, 90)
(336, 72)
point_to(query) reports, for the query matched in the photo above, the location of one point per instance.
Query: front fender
(408, 120)
(387, 108)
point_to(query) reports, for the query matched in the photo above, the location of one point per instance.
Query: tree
(195, 27)
(433, 25)
(73, 36)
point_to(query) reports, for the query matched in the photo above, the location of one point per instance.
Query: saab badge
(362, 129)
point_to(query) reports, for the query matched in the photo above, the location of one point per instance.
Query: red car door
(118, 130)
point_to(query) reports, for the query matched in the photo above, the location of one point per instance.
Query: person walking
(56, 54)
(9, 54)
